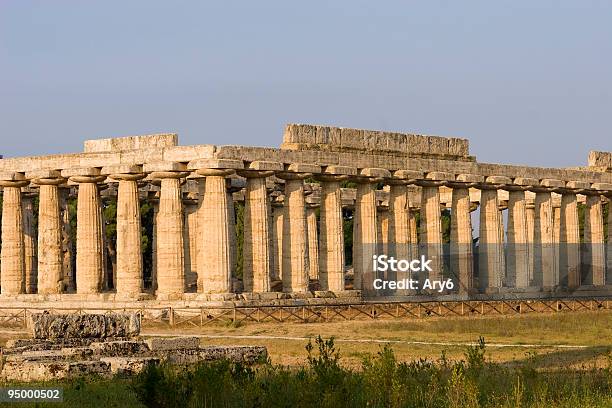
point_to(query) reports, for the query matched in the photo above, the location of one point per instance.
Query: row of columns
(530, 264)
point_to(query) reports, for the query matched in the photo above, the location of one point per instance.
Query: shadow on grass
(564, 357)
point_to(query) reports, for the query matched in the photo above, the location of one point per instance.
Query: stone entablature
(287, 246)
(328, 138)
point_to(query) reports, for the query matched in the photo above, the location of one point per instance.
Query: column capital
(603, 188)
(216, 164)
(460, 184)
(546, 186)
(13, 179)
(330, 177)
(123, 172)
(169, 174)
(166, 170)
(293, 176)
(255, 173)
(340, 170)
(406, 176)
(46, 177)
(210, 172)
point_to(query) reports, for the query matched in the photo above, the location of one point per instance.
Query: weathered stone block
(119, 348)
(237, 354)
(117, 144)
(48, 326)
(173, 343)
(52, 370)
(129, 365)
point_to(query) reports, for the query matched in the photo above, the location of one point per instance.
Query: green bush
(382, 381)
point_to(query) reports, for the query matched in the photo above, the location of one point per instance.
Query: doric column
(256, 271)
(278, 209)
(129, 254)
(606, 190)
(491, 261)
(594, 257)
(50, 258)
(30, 255)
(295, 229)
(365, 242)
(530, 215)
(431, 224)
(414, 231)
(382, 235)
(461, 240)
(518, 251)
(569, 234)
(401, 245)
(68, 273)
(331, 238)
(12, 276)
(154, 245)
(89, 265)
(170, 244)
(215, 264)
(191, 240)
(546, 268)
(313, 241)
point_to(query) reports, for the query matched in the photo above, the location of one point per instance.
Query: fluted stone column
(154, 247)
(414, 231)
(546, 267)
(278, 209)
(29, 244)
(594, 239)
(608, 194)
(382, 235)
(313, 242)
(461, 240)
(233, 239)
(518, 251)
(191, 240)
(12, 277)
(609, 248)
(399, 225)
(170, 245)
(129, 254)
(215, 268)
(491, 261)
(431, 223)
(365, 239)
(68, 273)
(50, 258)
(257, 248)
(89, 263)
(295, 245)
(331, 238)
(530, 215)
(569, 236)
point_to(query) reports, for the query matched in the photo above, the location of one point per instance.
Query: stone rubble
(106, 345)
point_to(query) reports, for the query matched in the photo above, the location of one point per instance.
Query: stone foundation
(101, 349)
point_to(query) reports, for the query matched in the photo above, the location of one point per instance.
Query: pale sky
(527, 82)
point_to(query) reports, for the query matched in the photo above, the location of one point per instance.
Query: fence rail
(199, 317)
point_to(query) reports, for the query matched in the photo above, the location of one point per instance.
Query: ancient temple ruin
(392, 189)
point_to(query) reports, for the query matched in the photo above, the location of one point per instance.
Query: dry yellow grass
(285, 341)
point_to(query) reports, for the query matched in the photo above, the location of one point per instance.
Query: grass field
(412, 339)
(542, 360)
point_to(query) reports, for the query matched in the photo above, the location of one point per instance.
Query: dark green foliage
(382, 381)
(347, 220)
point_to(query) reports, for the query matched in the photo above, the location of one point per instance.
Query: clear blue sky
(528, 82)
